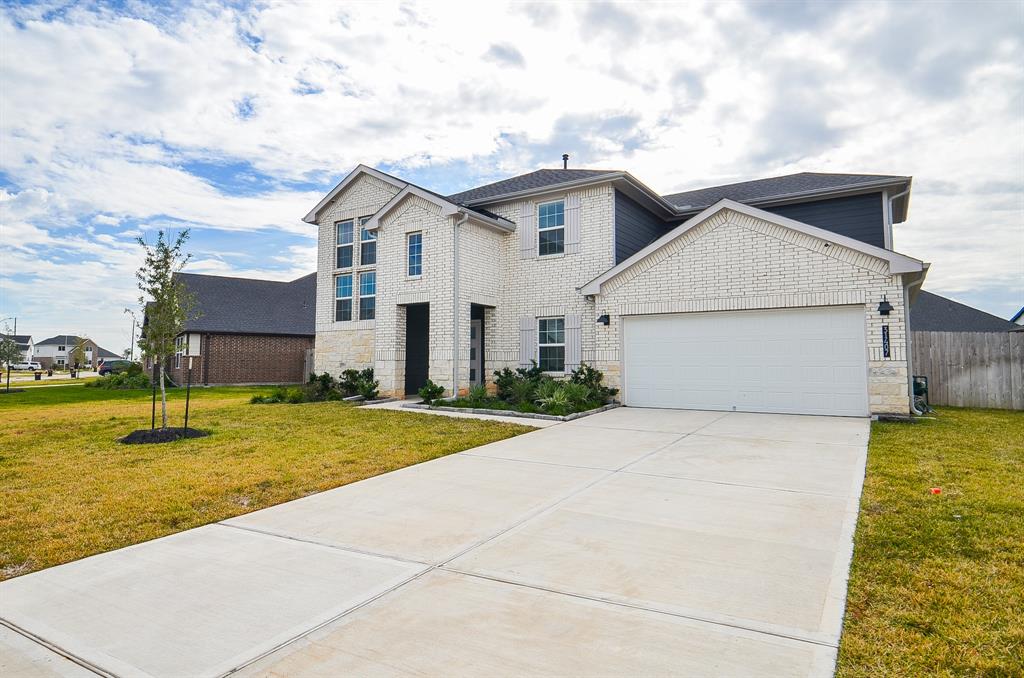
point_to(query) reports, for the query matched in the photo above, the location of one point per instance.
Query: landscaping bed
(530, 392)
(148, 436)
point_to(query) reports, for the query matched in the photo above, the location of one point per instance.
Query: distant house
(245, 331)
(934, 313)
(25, 345)
(57, 352)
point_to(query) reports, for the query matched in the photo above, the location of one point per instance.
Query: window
(344, 244)
(415, 254)
(367, 295)
(551, 344)
(179, 350)
(61, 349)
(343, 298)
(367, 244)
(551, 228)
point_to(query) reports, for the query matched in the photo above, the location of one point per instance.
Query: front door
(476, 354)
(417, 347)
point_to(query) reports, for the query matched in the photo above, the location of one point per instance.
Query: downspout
(888, 215)
(909, 351)
(455, 303)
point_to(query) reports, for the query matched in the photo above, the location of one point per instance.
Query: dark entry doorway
(417, 347)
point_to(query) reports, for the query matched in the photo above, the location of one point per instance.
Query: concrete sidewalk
(630, 542)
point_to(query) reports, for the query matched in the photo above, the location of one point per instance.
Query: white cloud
(106, 116)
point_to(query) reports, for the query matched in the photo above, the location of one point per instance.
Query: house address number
(885, 341)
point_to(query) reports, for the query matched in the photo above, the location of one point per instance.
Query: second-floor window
(343, 298)
(367, 295)
(344, 244)
(551, 227)
(61, 349)
(415, 255)
(367, 244)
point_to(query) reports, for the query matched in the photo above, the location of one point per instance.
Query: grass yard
(937, 583)
(68, 489)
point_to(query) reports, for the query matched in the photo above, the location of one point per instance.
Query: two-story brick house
(778, 295)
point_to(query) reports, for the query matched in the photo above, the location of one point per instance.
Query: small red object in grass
(936, 490)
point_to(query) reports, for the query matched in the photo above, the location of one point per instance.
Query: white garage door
(800, 361)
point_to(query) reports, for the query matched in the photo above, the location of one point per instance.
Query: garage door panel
(809, 361)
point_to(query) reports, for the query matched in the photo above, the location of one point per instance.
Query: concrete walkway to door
(633, 542)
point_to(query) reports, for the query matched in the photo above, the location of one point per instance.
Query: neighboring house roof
(779, 187)
(60, 339)
(104, 353)
(898, 263)
(248, 306)
(536, 180)
(1019, 317)
(18, 338)
(935, 313)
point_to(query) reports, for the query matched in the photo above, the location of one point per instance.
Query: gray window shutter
(527, 228)
(527, 340)
(572, 224)
(573, 342)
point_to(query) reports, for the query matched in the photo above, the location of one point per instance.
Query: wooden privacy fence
(971, 369)
(308, 364)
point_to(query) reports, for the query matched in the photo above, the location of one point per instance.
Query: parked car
(114, 367)
(30, 365)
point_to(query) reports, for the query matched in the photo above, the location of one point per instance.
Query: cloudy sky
(117, 120)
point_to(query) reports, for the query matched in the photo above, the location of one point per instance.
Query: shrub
(431, 392)
(578, 395)
(545, 389)
(321, 387)
(592, 378)
(522, 391)
(508, 382)
(557, 403)
(478, 396)
(121, 381)
(358, 382)
(368, 387)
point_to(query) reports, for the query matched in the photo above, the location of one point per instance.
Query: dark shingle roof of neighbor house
(248, 306)
(61, 339)
(104, 353)
(763, 189)
(934, 313)
(18, 338)
(525, 182)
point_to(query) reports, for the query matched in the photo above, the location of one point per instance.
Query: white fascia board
(898, 263)
(344, 183)
(447, 209)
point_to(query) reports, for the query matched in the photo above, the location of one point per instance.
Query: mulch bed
(146, 436)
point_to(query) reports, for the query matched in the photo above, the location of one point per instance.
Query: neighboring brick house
(245, 331)
(777, 295)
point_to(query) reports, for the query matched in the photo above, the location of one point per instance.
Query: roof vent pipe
(565, 161)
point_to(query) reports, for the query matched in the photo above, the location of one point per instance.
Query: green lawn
(68, 489)
(937, 583)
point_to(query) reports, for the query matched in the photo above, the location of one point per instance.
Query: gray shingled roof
(762, 189)
(525, 182)
(18, 338)
(247, 306)
(60, 339)
(934, 313)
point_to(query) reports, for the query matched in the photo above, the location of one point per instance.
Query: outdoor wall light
(603, 319)
(885, 307)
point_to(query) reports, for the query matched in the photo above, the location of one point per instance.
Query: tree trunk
(163, 397)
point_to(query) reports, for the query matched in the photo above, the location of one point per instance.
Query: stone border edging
(513, 413)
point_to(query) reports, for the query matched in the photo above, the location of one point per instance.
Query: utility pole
(131, 344)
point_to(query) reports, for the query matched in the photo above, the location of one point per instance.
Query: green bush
(431, 392)
(121, 381)
(509, 382)
(478, 396)
(580, 396)
(591, 377)
(557, 403)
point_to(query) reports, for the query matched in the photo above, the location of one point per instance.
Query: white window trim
(551, 228)
(179, 350)
(338, 245)
(350, 297)
(408, 254)
(371, 237)
(368, 296)
(539, 345)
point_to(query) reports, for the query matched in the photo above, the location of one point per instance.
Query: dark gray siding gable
(635, 227)
(856, 216)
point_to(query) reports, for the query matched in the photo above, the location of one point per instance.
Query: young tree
(167, 302)
(78, 352)
(9, 353)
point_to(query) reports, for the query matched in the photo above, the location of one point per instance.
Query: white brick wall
(731, 262)
(736, 262)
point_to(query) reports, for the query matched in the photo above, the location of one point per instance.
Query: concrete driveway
(634, 542)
